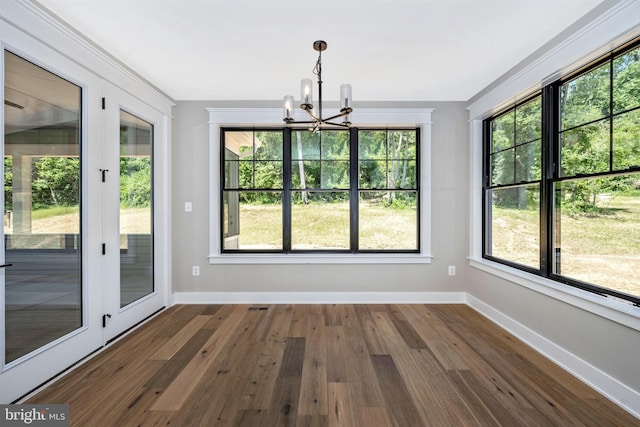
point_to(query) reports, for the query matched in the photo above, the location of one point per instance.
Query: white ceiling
(389, 50)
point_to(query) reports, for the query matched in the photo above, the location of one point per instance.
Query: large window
(563, 200)
(288, 190)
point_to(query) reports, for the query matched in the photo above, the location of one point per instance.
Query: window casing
(587, 218)
(337, 191)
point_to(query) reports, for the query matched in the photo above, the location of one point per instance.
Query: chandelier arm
(340, 114)
(313, 115)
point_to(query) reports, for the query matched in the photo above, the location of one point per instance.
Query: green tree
(8, 183)
(55, 181)
(135, 182)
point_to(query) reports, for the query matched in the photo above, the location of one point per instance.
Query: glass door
(130, 288)
(44, 280)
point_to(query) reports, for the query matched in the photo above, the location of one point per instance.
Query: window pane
(528, 161)
(529, 121)
(626, 81)
(585, 98)
(502, 167)
(502, 132)
(252, 220)
(372, 144)
(335, 174)
(322, 222)
(514, 221)
(402, 144)
(373, 174)
(334, 145)
(267, 175)
(268, 145)
(238, 145)
(305, 145)
(585, 149)
(253, 160)
(305, 174)
(626, 140)
(597, 231)
(402, 174)
(388, 220)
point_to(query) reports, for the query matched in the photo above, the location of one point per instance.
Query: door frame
(123, 318)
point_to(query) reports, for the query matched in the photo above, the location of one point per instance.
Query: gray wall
(450, 178)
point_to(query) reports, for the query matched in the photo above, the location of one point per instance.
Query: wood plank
(174, 344)
(370, 333)
(313, 385)
(342, 407)
(332, 315)
(400, 405)
(250, 417)
(284, 403)
(406, 331)
(373, 416)
(336, 349)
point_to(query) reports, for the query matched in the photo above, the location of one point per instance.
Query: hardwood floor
(326, 365)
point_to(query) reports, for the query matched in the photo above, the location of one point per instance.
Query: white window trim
(611, 29)
(373, 117)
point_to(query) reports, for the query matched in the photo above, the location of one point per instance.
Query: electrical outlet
(452, 270)
(188, 206)
(195, 270)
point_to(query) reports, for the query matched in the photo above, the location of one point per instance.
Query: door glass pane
(136, 204)
(43, 285)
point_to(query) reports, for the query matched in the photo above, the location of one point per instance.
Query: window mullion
(354, 194)
(611, 114)
(286, 189)
(550, 116)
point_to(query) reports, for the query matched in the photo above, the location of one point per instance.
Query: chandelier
(316, 121)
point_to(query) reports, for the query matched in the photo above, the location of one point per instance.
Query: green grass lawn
(54, 211)
(318, 225)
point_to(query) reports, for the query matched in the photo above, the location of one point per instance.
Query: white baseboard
(608, 386)
(319, 298)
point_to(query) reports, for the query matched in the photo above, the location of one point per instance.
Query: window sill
(614, 309)
(320, 259)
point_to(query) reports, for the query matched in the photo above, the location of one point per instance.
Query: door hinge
(104, 249)
(104, 104)
(104, 174)
(104, 319)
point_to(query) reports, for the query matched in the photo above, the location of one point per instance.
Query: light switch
(188, 206)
